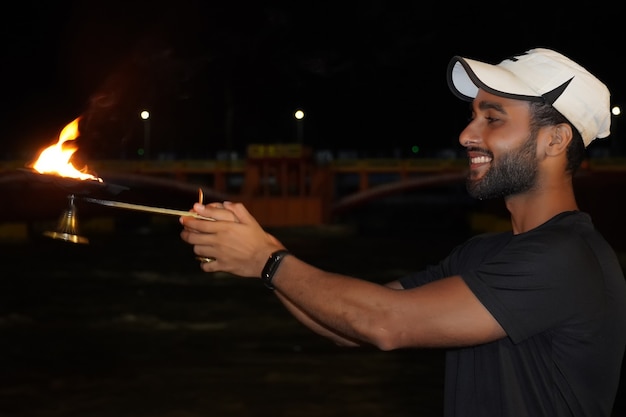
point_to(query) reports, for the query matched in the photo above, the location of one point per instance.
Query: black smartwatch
(271, 266)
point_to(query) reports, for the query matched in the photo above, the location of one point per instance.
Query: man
(534, 319)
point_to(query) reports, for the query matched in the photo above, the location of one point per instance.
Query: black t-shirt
(559, 293)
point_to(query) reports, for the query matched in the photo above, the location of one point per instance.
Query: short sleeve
(519, 286)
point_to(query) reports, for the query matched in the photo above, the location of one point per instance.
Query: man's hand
(235, 240)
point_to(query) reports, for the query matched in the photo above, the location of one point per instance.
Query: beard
(513, 173)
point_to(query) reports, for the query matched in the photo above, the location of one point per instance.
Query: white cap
(539, 75)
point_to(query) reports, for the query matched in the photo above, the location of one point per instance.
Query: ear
(560, 138)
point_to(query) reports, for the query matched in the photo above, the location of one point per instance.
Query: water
(129, 326)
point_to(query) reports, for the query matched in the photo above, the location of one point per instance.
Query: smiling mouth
(480, 159)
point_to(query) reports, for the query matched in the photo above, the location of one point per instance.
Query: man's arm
(345, 309)
(314, 325)
(319, 328)
(443, 313)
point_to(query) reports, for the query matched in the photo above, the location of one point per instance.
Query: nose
(468, 136)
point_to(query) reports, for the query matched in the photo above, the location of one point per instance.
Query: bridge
(282, 185)
(279, 190)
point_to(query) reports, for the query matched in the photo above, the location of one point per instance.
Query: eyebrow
(490, 105)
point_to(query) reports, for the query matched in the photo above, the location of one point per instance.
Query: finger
(205, 255)
(207, 264)
(194, 225)
(205, 259)
(198, 237)
(240, 212)
(215, 211)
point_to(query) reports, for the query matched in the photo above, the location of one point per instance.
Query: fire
(55, 159)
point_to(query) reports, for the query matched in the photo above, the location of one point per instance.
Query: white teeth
(480, 160)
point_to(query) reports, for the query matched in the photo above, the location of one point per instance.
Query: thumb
(244, 217)
(201, 209)
(240, 211)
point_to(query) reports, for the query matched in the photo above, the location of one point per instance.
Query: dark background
(221, 75)
(128, 325)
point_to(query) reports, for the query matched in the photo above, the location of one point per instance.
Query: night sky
(217, 76)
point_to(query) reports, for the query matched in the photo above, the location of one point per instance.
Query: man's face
(510, 173)
(501, 147)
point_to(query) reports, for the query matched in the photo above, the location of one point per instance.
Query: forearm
(314, 325)
(354, 310)
(342, 308)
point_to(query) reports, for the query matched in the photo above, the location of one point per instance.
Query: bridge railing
(189, 168)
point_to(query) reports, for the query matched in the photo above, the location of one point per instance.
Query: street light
(617, 147)
(145, 116)
(616, 110)
(299, 115)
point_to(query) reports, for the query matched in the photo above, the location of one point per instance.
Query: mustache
(479, 150)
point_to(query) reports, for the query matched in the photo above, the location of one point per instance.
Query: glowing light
(55, 159)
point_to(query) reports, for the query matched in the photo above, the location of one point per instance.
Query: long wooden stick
(150, 209)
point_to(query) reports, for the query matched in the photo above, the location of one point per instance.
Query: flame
(55, 159)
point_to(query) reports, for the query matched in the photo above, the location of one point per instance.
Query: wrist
(271, 266)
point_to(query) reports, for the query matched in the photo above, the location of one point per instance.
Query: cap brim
(466, 76)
